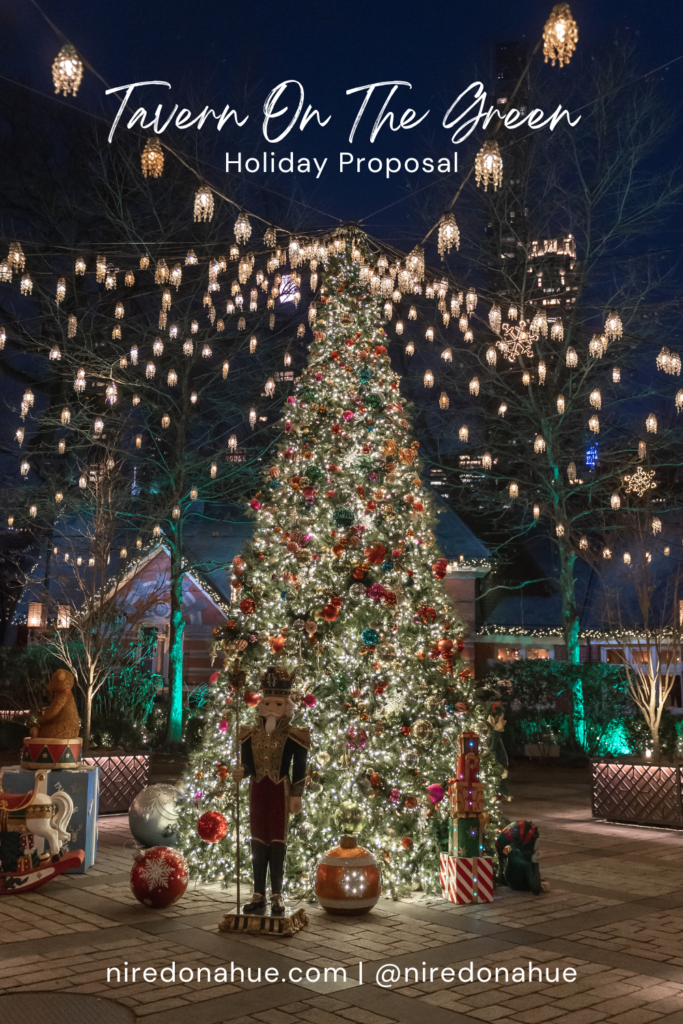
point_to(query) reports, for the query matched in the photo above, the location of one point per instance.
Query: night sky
(236, 53)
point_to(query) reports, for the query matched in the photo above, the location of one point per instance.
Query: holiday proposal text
(270, 162)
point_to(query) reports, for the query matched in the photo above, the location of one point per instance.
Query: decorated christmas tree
(343, 581)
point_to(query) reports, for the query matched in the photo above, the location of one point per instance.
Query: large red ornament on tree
(348, 879)
(159, 877)
(439, 568)
(212, 826)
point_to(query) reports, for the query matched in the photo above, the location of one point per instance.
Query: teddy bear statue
(54, 741)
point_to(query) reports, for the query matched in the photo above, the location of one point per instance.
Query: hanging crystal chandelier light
(613, 326)
(67, 71)
(488, 165)
(203, 204)
(560, 35)
(557, 330)
(242, 229)
(669, 362)
(152, 159)
(449, 234)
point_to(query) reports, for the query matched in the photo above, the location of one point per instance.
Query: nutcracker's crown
(277, 682)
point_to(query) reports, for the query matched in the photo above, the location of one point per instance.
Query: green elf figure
(496, 746)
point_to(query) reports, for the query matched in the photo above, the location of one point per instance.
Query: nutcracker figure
(273, 755)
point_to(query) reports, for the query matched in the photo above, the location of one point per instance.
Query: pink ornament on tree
(436, 793)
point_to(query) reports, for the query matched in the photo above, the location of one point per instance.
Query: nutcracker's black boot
(259, 861)
(278, 852)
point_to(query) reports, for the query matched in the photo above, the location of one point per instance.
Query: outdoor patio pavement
(614, 914)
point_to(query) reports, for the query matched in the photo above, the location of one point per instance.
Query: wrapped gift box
(466, 879)
(467, 768)
(466, 798)
(82, 785)
(464, 837)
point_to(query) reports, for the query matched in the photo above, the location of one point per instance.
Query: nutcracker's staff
(237, 679)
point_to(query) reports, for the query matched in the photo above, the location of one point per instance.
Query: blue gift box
(82, 785)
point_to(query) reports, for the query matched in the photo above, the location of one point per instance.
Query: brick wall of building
(462, 593)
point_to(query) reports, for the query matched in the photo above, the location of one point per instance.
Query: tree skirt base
(263, 924)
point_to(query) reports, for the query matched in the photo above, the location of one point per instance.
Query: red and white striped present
(444, 873)
(467, 879)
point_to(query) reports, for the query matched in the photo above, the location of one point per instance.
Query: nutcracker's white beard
(270, 724)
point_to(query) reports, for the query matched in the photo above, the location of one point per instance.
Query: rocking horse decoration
(28, 822)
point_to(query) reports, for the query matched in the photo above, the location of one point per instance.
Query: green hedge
(538, 700)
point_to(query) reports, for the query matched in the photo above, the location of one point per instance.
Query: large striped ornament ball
(348, 879)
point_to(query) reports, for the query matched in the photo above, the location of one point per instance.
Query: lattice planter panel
(122, 777)
(637, 791)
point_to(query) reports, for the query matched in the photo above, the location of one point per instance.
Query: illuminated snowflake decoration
(641, 481)
(516, 340)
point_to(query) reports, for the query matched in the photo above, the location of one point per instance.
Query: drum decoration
(348, 879)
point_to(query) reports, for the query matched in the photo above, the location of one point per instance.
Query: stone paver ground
(613, 916)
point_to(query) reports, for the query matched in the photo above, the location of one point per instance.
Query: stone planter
(122, 777)
(637, 791)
